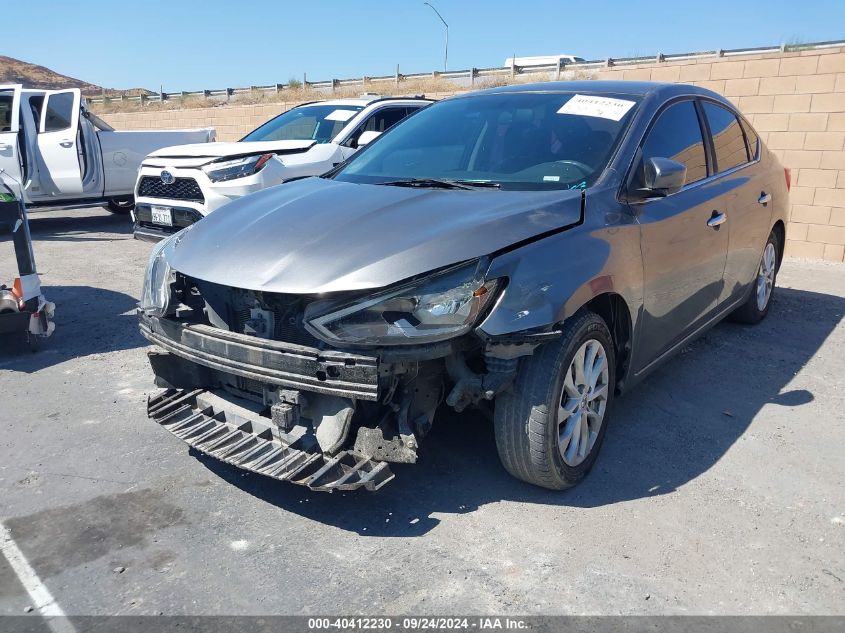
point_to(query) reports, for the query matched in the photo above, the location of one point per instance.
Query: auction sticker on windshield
(603, 107)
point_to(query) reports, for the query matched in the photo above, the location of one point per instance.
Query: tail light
(787, 174)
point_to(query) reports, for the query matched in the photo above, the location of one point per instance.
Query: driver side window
(59, 112)
(380, 121)
(677, 135)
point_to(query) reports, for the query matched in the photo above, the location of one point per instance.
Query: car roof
(362, 101)
(634, 88)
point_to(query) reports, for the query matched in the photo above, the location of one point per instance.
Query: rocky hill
(15, 71)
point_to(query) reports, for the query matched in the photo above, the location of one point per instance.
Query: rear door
(58, 144)
(683, 249)
(747, 205)
(10, 156)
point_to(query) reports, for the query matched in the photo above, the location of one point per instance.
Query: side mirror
(663, 176)
(367, 137)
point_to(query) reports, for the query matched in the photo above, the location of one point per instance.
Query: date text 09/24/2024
(417, 623)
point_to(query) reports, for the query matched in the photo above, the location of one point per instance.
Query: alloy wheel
(583, 402)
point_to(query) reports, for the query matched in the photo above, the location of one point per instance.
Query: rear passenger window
(728, 139)
(677, 135)
(751, 140)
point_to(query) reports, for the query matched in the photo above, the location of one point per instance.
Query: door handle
(4, 146)
(717, 219)
(765, 198)
(66, 143)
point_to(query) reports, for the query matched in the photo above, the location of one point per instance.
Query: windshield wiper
(480, 184)
(442, 183)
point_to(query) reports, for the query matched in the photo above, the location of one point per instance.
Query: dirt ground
(720, 488)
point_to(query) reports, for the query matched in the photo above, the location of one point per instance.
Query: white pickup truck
(178, 186)
(60, 154)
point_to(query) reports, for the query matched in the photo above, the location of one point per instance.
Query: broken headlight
(155, 295)
(438, 307)
(237, 168)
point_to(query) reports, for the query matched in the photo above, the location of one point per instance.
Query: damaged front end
(321, 392)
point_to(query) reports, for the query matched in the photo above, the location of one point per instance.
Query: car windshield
(527, 141)
(319, 123)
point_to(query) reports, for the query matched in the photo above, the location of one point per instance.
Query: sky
(191, 45)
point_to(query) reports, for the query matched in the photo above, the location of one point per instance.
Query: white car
(54, 152)
(542, 60)
(178, 186)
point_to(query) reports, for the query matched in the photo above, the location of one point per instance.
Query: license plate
(162, 215)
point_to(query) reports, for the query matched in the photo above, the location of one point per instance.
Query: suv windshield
(527, 141)
(320, 123)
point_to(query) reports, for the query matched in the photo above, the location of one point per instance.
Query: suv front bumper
(144, 229)
(214, 196)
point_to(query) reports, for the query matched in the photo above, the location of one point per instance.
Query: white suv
(179, 185)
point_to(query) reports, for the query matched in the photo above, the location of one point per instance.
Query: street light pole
(446, 55)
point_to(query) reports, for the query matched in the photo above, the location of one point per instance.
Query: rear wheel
(756, 307)
(550, 427)
(121, 205)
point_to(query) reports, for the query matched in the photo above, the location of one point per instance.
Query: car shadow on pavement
(669, 430)
(80, 228)
(88, 321)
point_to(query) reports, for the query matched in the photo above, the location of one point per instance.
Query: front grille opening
(179, 189)
(231, 307)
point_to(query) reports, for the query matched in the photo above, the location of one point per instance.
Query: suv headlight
(236, 168)
(438, 307)
(155, 294)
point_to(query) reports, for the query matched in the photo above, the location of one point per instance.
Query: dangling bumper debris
(234, 434)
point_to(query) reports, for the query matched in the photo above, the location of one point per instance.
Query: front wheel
(121, 205)
(756, 307)
(550, 426)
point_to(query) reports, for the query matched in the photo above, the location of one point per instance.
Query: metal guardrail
(471, 74)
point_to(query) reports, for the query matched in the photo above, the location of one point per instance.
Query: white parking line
(41, 597)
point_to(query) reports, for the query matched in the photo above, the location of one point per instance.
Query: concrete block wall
(795, 100)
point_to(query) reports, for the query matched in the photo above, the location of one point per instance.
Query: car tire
(532, 419)
(756, 307)
(121, 206)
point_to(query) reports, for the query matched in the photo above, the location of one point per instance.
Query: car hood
(318, 235)
(220, 150)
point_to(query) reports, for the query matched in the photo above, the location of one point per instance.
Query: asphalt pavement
(720, 488)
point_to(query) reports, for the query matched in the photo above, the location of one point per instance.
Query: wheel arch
(614, 311)
(779, 229)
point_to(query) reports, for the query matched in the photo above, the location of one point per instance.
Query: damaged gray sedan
(531, 250)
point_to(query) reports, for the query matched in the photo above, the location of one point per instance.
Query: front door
(684, 248)
(11, 166)
(58, 144)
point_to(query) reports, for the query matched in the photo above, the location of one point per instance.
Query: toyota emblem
(167, 178)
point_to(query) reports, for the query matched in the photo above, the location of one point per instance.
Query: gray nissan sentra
(533, 250)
